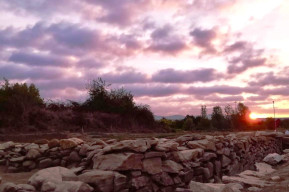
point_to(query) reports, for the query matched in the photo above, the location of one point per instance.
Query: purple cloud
(190, 76)
(10, 71)
(203, 38)
(36, 59)
(125, 77)
(270, 78)
(171, 47)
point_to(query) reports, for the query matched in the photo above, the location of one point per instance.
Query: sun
(253, 116)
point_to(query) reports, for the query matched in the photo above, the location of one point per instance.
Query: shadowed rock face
(141, 164)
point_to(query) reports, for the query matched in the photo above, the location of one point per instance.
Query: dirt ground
(283, 185)
(17, 178)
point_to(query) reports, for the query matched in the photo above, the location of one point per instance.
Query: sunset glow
(253, 116)
(172, 55)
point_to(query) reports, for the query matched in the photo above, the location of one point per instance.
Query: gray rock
(26, 188)
(208, 156)
(213, 187)
(29, 164)
(140, 182)
(73, 186)
(188, 155)
(163, 179)
(53, 143)
(105, 181)
(225, 161)
(118, 161)
(7, 145)
(8, 187)
(83, 150)
(204, 144)
(33, 154)
(70, 143)
(254, 189)
(45, 163)
(273, 159)
(171, 166)
(152, 165)
(138, 145)
(167, 146)
(74, 157)
(31, 146)
(53, 174)
(17, 159)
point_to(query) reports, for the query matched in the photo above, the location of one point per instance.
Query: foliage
(188, 124)
(16, 100)
(218, 119)
(117, 101)
(204, 111)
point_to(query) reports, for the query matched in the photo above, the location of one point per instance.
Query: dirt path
(283, 185)
(15, 177)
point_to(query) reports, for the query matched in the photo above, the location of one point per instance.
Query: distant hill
(172, 117)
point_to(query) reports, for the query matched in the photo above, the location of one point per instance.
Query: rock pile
(141, 164)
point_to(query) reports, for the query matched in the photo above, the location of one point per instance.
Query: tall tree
(204, 111)
(218, 119)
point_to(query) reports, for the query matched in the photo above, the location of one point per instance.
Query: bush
(188, 124)
(16, 100)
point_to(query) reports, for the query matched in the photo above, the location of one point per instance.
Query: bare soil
(17, 178)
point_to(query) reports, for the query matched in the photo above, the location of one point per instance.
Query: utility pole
(274, 116)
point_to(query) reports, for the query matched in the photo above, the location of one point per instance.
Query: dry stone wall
(145, 164)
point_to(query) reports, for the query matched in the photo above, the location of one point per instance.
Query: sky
(172, 55)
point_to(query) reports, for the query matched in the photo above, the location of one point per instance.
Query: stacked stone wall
(145, 164)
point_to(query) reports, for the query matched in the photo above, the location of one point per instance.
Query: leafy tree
(204, 111)
(218, 119)
(188, 124)
(16, 100)
(98, 95)
(204, 122)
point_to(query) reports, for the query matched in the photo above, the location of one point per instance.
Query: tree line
(22, 106)
(222, 119)
(23, 109)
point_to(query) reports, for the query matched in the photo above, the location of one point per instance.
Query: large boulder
(25, 188)
(53, 174)
(33, 154)
(273, 158)
(152, 165)
(204, 144)
(171, 166)
(187, 155)
(214, 187)
(167, 146)
(7, 145)
(118, 161)
(8, 187)
(104, 181)
(72, 186)
(138, 145)
(53, 143)
(70, 143)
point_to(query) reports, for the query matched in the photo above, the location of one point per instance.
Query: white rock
(118, 161)
(7, 145)
(8, 187)
(52, 174)
(214, 187)
(273, 158)
(105, 181)
(254, 189)
(275, 178)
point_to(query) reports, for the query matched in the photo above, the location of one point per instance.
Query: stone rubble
(143, 164)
